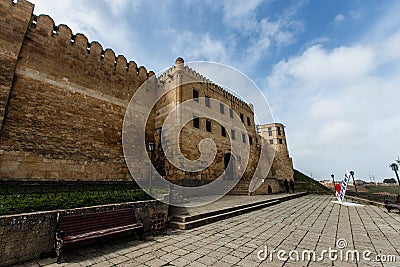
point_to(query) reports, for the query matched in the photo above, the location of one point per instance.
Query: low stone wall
(373, 197)
(365, 201)
(27, 236)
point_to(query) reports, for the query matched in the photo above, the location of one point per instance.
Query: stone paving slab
(306, 225)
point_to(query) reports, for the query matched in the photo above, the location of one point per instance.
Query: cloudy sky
(330, 70)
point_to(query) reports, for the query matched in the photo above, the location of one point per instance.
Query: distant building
(360, 182)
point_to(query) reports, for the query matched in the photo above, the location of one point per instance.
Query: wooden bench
(389, 205)
(75, 228)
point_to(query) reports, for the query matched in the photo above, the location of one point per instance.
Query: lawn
(20, 198)
(303, 183)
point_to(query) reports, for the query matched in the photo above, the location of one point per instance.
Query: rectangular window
(280, 141)
(279, 130)
(221, 108)
(250, 140)
(271, 141)
(208, 126)
(241, 117)
(195, 95)
(248, 121)
(269, 131)
(223, 131)
(196, 122)
(207, 99)
(231, 113)
(244, 138)
(233, 134)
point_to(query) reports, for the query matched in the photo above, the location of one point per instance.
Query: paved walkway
(307, 224)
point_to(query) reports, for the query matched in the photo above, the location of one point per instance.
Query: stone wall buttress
(11, 38)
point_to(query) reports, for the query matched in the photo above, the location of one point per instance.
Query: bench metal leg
(141, 234)
(59, 249)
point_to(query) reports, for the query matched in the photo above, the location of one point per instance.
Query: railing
(19, 197)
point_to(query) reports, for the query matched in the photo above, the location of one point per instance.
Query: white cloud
(119, 6)
(108, 22)
(390, 47)
(316, 41)
(357, 14)
(263, 33)
(319, 67)
(340, 107)
(198, 46)
(269, 33)
(118, 24)
(339, 18)
(241, 14)
(89, 17)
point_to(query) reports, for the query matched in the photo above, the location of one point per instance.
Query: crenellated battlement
(215, 87)
(21, 4)
(44, 25)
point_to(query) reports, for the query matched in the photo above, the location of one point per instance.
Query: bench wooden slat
(90, 235)
(93, 224)
(97, 215)
(100, 219)
(72, 228)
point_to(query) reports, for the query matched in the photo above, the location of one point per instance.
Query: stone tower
(181, 84)
(274, 134)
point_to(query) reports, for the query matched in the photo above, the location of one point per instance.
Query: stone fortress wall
(63, 100)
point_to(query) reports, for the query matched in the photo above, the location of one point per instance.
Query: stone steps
(242, 188)
(185, 222)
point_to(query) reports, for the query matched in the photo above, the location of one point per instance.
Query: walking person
(292, 185)
(286, 185)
